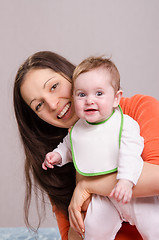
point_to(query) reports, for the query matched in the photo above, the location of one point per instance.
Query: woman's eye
(38, 106)
(54, 86)
(81, 95)
(99, 93)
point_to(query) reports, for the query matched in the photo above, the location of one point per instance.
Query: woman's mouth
(64, 111)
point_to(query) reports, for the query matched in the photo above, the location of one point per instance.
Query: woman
(44, 112)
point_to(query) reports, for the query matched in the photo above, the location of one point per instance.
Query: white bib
(95, 147)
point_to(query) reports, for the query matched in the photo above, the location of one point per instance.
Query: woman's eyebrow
(43, 87)
(47, 81)
(32, 101)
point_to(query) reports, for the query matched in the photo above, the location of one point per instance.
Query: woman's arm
(147, 184)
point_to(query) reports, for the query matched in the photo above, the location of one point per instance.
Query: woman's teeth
(63, 112)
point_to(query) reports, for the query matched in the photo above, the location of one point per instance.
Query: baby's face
(94, 96)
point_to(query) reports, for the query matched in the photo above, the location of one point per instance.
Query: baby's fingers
(46, 165)
(43, 166)
(118, 193)
(112, 193)
(127, 197)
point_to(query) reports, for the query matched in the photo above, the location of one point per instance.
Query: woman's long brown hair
(38, 138)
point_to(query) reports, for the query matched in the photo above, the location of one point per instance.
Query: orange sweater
(145, 110)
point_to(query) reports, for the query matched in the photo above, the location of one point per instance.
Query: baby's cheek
(79, 109)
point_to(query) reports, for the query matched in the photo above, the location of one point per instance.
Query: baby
(104, 139)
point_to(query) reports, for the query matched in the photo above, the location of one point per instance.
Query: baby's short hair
(91, 63)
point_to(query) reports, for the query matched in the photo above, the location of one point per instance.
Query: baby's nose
(90, 100)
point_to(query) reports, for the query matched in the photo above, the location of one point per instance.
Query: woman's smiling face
(49, 94)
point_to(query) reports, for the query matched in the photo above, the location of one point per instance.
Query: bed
(22, 233)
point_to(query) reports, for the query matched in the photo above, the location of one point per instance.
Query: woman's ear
(117, 98)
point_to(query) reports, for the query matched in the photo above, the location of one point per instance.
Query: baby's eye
(54, 86)
(81, 95)
(99, 93)
(37, 108)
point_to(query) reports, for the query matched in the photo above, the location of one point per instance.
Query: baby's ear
(117, 98)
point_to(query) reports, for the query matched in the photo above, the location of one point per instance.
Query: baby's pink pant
(105, 216)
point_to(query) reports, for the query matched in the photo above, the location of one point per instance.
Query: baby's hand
(51, 159)
(122, 191)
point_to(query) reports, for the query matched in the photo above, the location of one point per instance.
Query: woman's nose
(52, 102)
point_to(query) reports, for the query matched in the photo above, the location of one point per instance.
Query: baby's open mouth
(64, 111)
(91, 110)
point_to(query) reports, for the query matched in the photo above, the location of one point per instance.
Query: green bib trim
(120, 134)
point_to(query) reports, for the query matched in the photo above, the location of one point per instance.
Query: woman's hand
(78, 206)
(72, 235)
(86, 186)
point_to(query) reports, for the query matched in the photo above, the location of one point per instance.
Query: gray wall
(127, 30)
